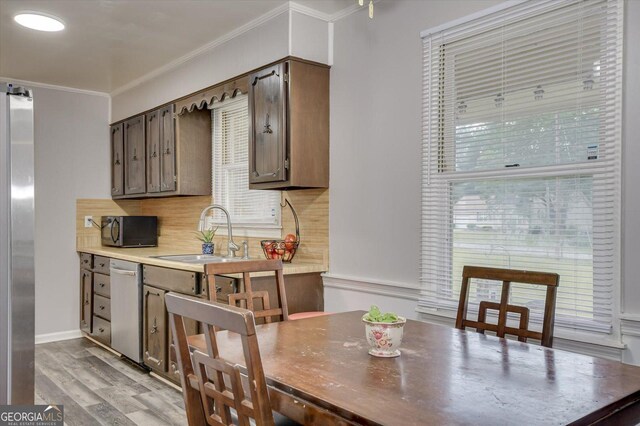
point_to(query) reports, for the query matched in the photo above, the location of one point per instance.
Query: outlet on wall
(87, 221)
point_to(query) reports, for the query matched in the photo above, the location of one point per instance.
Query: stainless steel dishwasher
(126, 308)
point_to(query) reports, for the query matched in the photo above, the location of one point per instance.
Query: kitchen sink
(197, 258)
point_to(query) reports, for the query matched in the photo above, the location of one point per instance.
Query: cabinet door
(267, 125)
(134, 147)
(117, 160)
(153, 152)
(86, 296)
(192, 327)
(154, 337)
(168, 149)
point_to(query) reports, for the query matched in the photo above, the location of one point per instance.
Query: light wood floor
(97, 387)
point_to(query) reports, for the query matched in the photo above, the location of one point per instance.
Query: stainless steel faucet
(232, 247)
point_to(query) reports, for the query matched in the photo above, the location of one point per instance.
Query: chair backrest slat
(247, 299)
(210, 384)
(507, 276)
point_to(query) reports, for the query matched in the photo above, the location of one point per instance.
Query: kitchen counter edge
(145, 256)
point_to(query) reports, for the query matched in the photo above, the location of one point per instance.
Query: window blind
(521, 156)
(249, 208)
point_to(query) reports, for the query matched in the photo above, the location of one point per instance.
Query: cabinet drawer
(170, 279)
(102, 284)
(224, 287)
(101, 264)
(86, 260)
(102, 306)
(101, 330)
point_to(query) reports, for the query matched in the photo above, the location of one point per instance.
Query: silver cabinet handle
(152, 359)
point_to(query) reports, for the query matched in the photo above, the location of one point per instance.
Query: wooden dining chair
(507, 276)
(211, 385)
(258, 301)
(248, 298)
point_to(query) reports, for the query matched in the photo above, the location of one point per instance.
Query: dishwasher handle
(123, 272)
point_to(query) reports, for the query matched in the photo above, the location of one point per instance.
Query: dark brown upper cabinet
(268, 141)
(166, 154)
(134, 148)
(161, 153)
(289, 126)
(154, 152)
(117, 160)
(168, 149)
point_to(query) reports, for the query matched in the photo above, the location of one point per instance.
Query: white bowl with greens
(383, 332)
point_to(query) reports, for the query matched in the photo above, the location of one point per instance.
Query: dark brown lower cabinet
(154, 332)
(101, 330)
(192, 328)
(86, 300)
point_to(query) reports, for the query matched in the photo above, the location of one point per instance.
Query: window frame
(435, 157)
(240, 228)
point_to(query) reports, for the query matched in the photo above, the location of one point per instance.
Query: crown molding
(346, 12)
(211, 45)
(305, 10)
(53, 87)
(288, 7)
(349, 10)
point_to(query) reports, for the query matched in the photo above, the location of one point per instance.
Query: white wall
(309, 38)
(376, 161)
(258, 46)
(288, 33)
(71, 152)
(630, 324)
(376, 107)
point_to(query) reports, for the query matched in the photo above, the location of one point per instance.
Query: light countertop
(144, 255)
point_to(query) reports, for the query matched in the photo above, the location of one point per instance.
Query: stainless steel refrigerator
(16, 245)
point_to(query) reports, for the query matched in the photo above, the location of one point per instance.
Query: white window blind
(521, 156)
(248, 208)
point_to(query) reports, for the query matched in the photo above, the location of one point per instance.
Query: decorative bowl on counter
(283, 249)
(279, 249)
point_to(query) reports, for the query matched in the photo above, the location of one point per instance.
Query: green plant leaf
(375, 315)
(207, 235)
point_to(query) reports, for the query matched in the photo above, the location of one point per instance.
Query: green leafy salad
(374, 315)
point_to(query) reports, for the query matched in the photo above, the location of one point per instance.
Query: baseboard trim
(59, 336)
(366, 285)
(630, 325)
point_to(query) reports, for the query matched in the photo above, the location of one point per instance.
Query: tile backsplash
(178, 220)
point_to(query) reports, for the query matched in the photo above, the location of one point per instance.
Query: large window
(522, 156)
(253, 212)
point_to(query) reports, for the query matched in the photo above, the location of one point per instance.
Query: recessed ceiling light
(39, 21)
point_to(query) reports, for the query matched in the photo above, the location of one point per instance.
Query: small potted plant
(206, 237)
(383, 332)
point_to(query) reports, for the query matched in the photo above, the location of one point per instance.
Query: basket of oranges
(283, 249)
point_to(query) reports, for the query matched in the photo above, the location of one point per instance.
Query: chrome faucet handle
(245, 249)
(232, 248)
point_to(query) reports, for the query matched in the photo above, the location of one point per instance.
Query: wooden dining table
(319, 371)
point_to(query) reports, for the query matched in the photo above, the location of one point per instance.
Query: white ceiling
(109, 43)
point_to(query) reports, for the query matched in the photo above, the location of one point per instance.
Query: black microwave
(130, 231)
